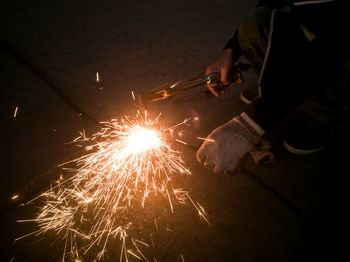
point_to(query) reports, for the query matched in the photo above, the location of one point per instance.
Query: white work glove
(227, 145)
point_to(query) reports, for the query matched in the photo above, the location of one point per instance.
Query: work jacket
(324, 28)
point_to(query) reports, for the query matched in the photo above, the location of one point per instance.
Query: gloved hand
(228, 144)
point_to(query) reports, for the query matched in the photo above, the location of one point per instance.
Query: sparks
(14, 197)
(129, 163)
(205, 139)
(182, 258)
(97, 77)
(15, 113)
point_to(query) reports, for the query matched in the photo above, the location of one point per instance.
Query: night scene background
(50, 52)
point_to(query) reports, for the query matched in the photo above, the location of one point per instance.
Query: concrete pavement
(292, 211)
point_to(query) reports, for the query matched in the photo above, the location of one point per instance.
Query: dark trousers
(311, 78)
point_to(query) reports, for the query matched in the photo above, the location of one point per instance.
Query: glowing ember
(129, 163)
(14, 197)
(15, 113)
(97, 77)
(205, 139)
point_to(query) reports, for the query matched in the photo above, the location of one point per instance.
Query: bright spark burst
(129, 163)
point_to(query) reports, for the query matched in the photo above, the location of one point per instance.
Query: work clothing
(303, 61)
(302, 57)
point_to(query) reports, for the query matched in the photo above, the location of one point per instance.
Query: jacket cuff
(251, 124)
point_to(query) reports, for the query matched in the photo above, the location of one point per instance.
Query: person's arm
(224, 64)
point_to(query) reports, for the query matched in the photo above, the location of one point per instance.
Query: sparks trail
(129, 164)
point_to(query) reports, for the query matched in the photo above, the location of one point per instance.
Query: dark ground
(291, 211)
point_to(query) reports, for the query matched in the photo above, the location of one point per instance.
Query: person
(300, 51)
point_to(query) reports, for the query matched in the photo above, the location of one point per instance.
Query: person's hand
(226, 147)
(222, 65)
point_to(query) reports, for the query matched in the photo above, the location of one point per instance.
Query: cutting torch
(167, 91)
